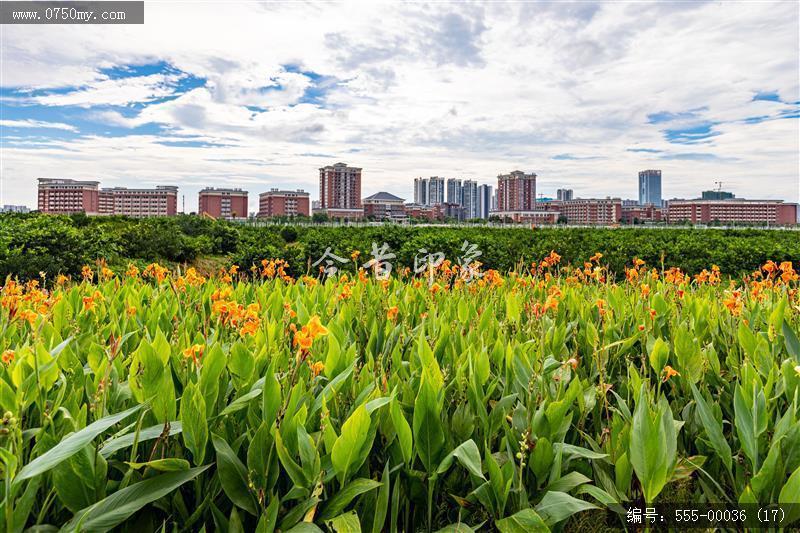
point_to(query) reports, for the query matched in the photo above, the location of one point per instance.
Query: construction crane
(719, 185)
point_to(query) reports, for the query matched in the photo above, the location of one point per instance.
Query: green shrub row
(30, 244)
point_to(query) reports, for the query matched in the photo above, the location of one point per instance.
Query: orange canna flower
(391, 313)
(28, 315)
(317, 368)
(8, 356)
(669, 372)
(645, 290)
(596, 257)
(195, 351)
(315, 327)
(641, 327)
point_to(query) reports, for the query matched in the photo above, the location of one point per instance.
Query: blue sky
(261, 95)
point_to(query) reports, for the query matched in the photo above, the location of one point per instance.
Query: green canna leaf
(194, 422)
(233, 476)
(118, 507)
(70, 445)
(353, 438)
(713, 429)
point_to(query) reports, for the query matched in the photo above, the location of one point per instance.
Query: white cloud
(39, 124)
(422, 89)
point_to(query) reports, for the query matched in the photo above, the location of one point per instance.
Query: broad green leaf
(123, 441)
(70, 445)
(428, 431)
(653, 444)
(343, 497)
(119, 506)
(558, 506)
(345, 523)
(403, 431)
(751, 420)
(790, 494)
(791, 341)
(525, 521)
(233, 476)
(352, 439)
(468, 455)
(194, 422)
(713, 429)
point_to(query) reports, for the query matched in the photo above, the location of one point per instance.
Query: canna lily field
(531, 400)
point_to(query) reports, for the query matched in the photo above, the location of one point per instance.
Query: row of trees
(33, 243)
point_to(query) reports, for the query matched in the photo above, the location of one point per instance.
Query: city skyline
(585, 95)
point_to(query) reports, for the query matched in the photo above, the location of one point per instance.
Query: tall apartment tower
(223, 203)
(454, 192)
(65, 196)
(421, 191)
(564, 194)
(650, 187)
(340, 191)
(485, 200)
(470, 199)
(516, 191)
(435, 190)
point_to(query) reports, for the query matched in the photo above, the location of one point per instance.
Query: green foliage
(35, 243)
(518, 402)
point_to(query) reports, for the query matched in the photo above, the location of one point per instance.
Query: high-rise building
(650, 187)
(564, 194)
(421, 191)
(223, 203)
(718, 195)
(159, 202)
(516, 191)
(277, 203)
(340, 191)
(485, 199)
(435, 190)
(66, 196)
(454, 191)
(470, 199)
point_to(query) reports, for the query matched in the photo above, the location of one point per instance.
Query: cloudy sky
(260, 95)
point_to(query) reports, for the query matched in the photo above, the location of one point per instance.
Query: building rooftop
(282, 191)
(222, 190)
(384, 197)
(66, 181)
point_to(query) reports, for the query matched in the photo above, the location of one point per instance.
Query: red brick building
(159, 202)
(528, 217)
(384, 206)
(639, 214)
(516, 192)
(223, 203)
(592, 211)
(277, 203)
(773, 212)
(340, 191)
(420, 211)
(66, 196)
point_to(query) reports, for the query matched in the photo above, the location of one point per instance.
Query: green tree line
(34, 243)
